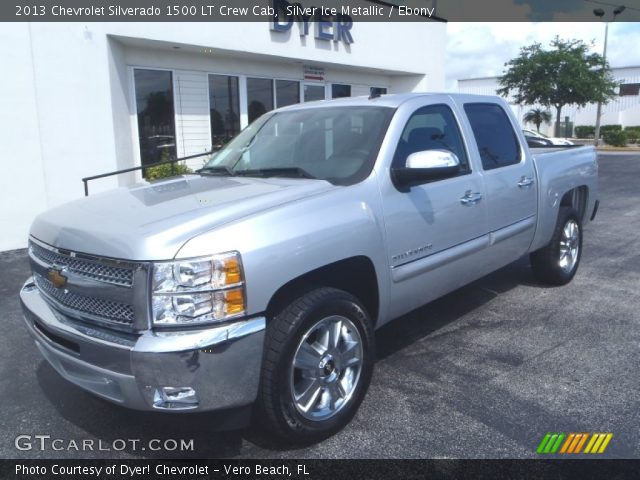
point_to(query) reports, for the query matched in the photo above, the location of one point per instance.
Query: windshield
(338, 144)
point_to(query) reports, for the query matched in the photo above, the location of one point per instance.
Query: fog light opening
(175, 398)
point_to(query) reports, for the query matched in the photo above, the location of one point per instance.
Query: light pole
(599, 12)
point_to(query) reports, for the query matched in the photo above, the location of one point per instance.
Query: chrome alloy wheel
(326, 368)
(569, 246)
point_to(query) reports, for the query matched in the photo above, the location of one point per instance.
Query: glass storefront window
(224, 108)
(375, 91)
(339, 91)
(259, 97)
(287, 92)
(156, 121)
(313, 92)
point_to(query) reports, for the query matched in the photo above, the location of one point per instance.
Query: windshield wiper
(217, 170)
(295, 172)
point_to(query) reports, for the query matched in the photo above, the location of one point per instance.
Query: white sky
(482, 49)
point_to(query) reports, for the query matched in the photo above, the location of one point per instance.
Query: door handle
(525, 182)
(470, 198)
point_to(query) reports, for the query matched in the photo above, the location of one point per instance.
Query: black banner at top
(284, 11)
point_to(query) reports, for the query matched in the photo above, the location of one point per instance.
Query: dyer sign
(329, 24)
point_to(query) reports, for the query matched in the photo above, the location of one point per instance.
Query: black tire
(276, 407)
(546, 262)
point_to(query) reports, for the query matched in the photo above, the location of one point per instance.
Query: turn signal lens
(234, 301)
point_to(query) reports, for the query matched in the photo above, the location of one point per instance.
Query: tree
(537, 116)
(564, 75)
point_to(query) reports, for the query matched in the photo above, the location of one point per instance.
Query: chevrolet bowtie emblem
(56, 277)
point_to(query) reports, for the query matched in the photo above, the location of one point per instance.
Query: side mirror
(424, 166)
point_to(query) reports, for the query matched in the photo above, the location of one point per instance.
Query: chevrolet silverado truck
(259, 281)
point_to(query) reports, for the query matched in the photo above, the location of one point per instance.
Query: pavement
(484, 372)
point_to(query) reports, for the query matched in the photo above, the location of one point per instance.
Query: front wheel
(319, 354)
(557, 263)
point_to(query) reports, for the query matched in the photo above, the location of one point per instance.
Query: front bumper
(220, 364)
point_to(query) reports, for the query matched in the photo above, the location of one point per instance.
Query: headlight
(198, 290)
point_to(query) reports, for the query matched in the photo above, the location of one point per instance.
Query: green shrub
(610, 128)
(615, 138)
(585, 131)
(166, 170)
(633, 134)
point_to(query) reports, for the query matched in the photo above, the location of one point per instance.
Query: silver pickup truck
(261, 279)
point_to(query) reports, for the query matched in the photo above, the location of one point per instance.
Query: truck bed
(563, 169)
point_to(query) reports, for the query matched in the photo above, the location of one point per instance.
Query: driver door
(435, 230)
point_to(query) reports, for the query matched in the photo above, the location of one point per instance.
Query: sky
(482, 49)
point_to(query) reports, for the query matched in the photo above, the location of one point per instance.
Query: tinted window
(224, 108)
(259, 97)
(339, 91)
(375, 91)
(497, 142)
(287, 92)
(629, 89)
(431, 128)
(154, 105)
(313, 93)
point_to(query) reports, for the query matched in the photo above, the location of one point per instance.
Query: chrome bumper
(220, 364)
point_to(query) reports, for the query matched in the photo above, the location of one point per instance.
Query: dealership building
(623, 109)
(89, 98)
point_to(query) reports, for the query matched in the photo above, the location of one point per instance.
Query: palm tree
(537, 116)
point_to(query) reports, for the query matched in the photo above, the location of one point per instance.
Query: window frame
(304, 83)
(135, 127)
(239, 85)
(338, 84)
(378, 90)
(634, 85)
(275, 90)
(519, 148)
(457, 124)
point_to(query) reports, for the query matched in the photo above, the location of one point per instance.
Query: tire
(557, 263)
(306, 366)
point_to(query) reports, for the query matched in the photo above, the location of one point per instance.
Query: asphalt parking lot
(484, 372)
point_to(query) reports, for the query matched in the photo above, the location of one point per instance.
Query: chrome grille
(106, 309)
(116, 274)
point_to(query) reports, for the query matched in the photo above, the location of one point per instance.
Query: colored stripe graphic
(550, 443)
(573, 443)
(567, 443)
(598, 442)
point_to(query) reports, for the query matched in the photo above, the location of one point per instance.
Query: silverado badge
(56, 277)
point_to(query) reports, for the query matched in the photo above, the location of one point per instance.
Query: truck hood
(152, 221)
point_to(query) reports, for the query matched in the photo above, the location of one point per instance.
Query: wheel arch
(578, 198)
(356, 275)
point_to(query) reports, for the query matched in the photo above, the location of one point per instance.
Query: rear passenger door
(509, 178)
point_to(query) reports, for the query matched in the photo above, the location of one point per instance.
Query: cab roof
(388, 100)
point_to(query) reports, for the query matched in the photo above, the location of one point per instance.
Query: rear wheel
(317, 365)
(557, 263)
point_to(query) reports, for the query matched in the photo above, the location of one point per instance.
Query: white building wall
(67, 109)
(22, 183)
(192, 112)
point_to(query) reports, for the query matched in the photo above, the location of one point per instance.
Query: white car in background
(554, 140)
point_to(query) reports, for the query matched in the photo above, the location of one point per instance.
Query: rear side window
(497, 142)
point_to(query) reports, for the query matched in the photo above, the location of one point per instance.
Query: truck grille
(87, 268)
(106, 309)
(98, 290)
